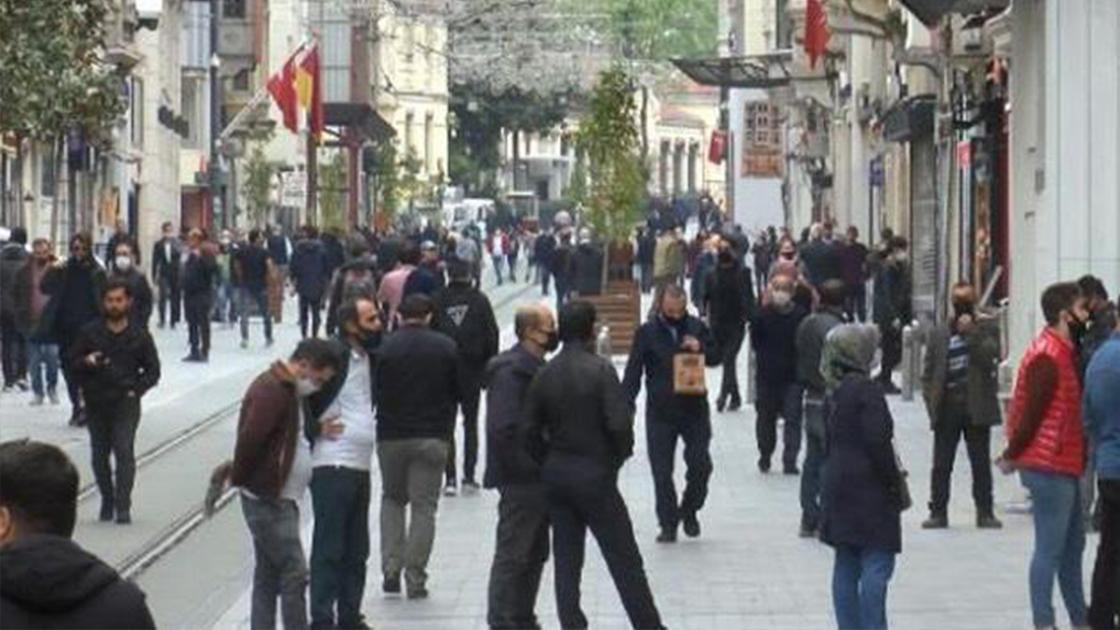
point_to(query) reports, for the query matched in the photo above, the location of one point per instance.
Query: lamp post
(213, 166)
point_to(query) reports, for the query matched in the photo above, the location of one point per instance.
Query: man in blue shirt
(1101, 414)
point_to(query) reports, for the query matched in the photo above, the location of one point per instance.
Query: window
(233, 9)
(428, 150)
(136, 112)
(409, 42)
(240, 81)
(190, 107)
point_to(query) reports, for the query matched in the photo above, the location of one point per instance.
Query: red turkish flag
(282, 87)
(816, 31)
(717, 147)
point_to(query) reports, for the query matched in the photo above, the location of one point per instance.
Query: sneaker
(890, 388)
(721, 404)
(734, 405)
(667, 535)
(417, 592)
(192, 358)
(988, 521)
(78, 418)
(936, 521)
(22, 385)
(791, 469)
(391, 583)
(53, 395)
(124, 518)
(450, 490)
(691, 526)
(470, 486)
(37, 400)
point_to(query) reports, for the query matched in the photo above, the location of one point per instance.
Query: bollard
(908, 362)
(603, 342)
(751, 367)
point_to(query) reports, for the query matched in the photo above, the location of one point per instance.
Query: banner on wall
(762, 141)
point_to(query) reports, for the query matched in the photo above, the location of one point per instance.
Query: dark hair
(415, 307)
(410, 253)
(458, 269)
(899, 242)
(114, 284)
(166, 225)
(254, 235)
(670, 290)
(39, 485)
(526, 319)
(1092, 287)
(127, 242)
(577, 321)
(348, 311)
(320, 353)
(84, 238)
(832, 292)
(1058, 297)
(18, 235)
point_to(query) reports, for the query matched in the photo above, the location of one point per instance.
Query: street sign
(293, 188)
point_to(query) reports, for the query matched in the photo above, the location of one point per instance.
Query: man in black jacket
(252, 266)
(729, 298)
(522, 538)
(417, 380)
(809, 341)
(464, 313)
(310, 273)
(125, 267)
(48, 581)
(542, 252)
(671, 415)
(76, 295)
(166, 270)
(561, 266)
(200, 272)
(581, 431)
(116, 364)
(893, 310)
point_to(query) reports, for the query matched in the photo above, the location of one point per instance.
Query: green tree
(259, 174)
(386, 178)
(332, 192)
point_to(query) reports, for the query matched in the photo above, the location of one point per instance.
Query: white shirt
(496, 246)
(354, 407)
(167, 250)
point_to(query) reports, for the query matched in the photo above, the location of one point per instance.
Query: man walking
(464, 313)
(13, 342)
(521, 548)
(809, 341)
(35, 310)
(582, 431)
(853, 263)
(116, 364)
(166, 271)
(673, 415)
(252, 267)
(76, 289)
(959, 385)
(417, 380)
(341, 433)
(310, 274)
(1101, 411)
(1046, 445)
(729, 302)
(892, 308)
(542, 252)
(124, 268)
(499, 244)
(272, 467)
(200, 272)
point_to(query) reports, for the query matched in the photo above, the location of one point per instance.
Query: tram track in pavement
(182, 526)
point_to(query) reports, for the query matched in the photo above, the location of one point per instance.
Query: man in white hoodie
(343, 436)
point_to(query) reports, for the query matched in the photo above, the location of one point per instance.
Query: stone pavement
(749, 569)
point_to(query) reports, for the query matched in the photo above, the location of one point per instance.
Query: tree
(259, 174)
(332, 192)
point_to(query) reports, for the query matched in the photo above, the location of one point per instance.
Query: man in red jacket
(1047, 447)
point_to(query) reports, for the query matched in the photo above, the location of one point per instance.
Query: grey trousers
(281, 569)
(411, 475)
(520, 552)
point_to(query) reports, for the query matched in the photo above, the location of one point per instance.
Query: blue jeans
(1059, 540)
(42, 356)
(859, 587)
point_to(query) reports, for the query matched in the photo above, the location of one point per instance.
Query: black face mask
(369, 339)
(1077, 328)
(725, 257)
(963, 308)
(553, 341)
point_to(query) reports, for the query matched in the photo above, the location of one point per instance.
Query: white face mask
(305, 387)
(780, 298)
(124, 263)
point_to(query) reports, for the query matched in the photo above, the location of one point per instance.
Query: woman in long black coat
(861, 490)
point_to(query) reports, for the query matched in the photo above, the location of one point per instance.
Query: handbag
(688, 374)
(905, 500)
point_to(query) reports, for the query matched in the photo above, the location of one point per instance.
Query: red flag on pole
(283, 90)
(816, 31)
(309, 72)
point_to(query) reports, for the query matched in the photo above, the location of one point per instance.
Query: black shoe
(790, 469)
(764, 464)
(691, 526)
(193, 358)
(470, 486)
(667, 535)
(890, 388)
(807, 531)
(418, 592)
(936, 521)
(106, 512)
(79, 418)
(735, 404)
(987, 520)
(721, 404)
(391, 583)
(123, 517)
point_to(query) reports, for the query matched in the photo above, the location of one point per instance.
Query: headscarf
(848, 348)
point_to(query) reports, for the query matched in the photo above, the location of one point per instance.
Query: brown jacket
(982, 381)
(266, 433)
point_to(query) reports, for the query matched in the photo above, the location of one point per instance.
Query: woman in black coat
(861, 498)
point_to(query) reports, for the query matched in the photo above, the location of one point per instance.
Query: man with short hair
(48, 581)
(116, 363)
(75, 289)
(272, 468)
(13, 343)
(1046, 445)
(853, 264)
(892, 308)
(252, 267)
(521, 548)
(166, 272)
(417, 380)
(581, 431)
(310, 272)
(390, 292)
(125, 268)
(200, 273)
(35, 310)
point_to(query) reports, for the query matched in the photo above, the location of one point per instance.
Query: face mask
(963, 308)
(901, 258)
(780, 299)
(726, 257)
(124, 263)
(787, 255)
(553, 341)
(1076, 328)
(305, 387)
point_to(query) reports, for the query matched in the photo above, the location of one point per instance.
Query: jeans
(469, 406)
(198, 324)
(545, 275)
(112, 431)
(520, 551)
(730, 342)
(1059, 540)
(42, 357)
(954, 423)
(1105, 607)
(411, 471)
(339, 545)
(260, 298)
(13, 350)
(280, 570)
(497, 263)
(773, 401)
(661, 442)
(815, 414)
(859, 587)
(309, 308)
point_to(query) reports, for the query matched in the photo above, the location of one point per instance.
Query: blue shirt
(1101, 407)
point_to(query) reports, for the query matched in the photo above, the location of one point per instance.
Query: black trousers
(13, 350)
(954, 424)
(1104, 607)
(309, 309)
(730, 342)
(661, 441)
(545, 276)
(339, 545)
(112, 431)
(647, 276)
(198, 323)
(469, 406)
(583, 497)
(520, 551)
(73, 392)
(774, 401)
(890, 341)
(169, 295)
(855, 304)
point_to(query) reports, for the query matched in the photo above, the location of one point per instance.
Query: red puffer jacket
(1058, 445)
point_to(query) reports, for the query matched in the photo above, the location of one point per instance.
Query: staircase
(619, 307)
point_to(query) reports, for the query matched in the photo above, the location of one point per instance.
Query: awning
(931, 11)
(733, 72)
(359, 116)
(910, 118)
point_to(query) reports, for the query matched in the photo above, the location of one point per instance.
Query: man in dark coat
(49, 581)
(13, 342)
(729, 299)
(542, 251)
(200, 272)
(587, 266)
(522, 537)
(646, 244)
(464, 313)
(126, 268)
(166, 271)
(581, 431)
(310, 273)
(959, 385)
(252, 267)
(669, 415)
(853, 263)
(892, 308)
(76, 288)
(561, 267)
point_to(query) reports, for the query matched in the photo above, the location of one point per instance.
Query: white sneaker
(53, 395)
(37, 401)
(450, 490)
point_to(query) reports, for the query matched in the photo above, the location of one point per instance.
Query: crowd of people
(412, 343)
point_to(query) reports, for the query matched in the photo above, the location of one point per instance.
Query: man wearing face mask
(959, 385)
(76, 289)
(670, 415)
(777, 393)
(729, 296)
(116, 363)
(892, 308)
(125, 269)
(272, 468)
(522, 534)
(341, 431)
(166, 269)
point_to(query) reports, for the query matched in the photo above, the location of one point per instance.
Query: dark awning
(359, 116)
(910, 118)
(732, 72)
(931, 11)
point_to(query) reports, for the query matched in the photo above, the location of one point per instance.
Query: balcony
(120, 41)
